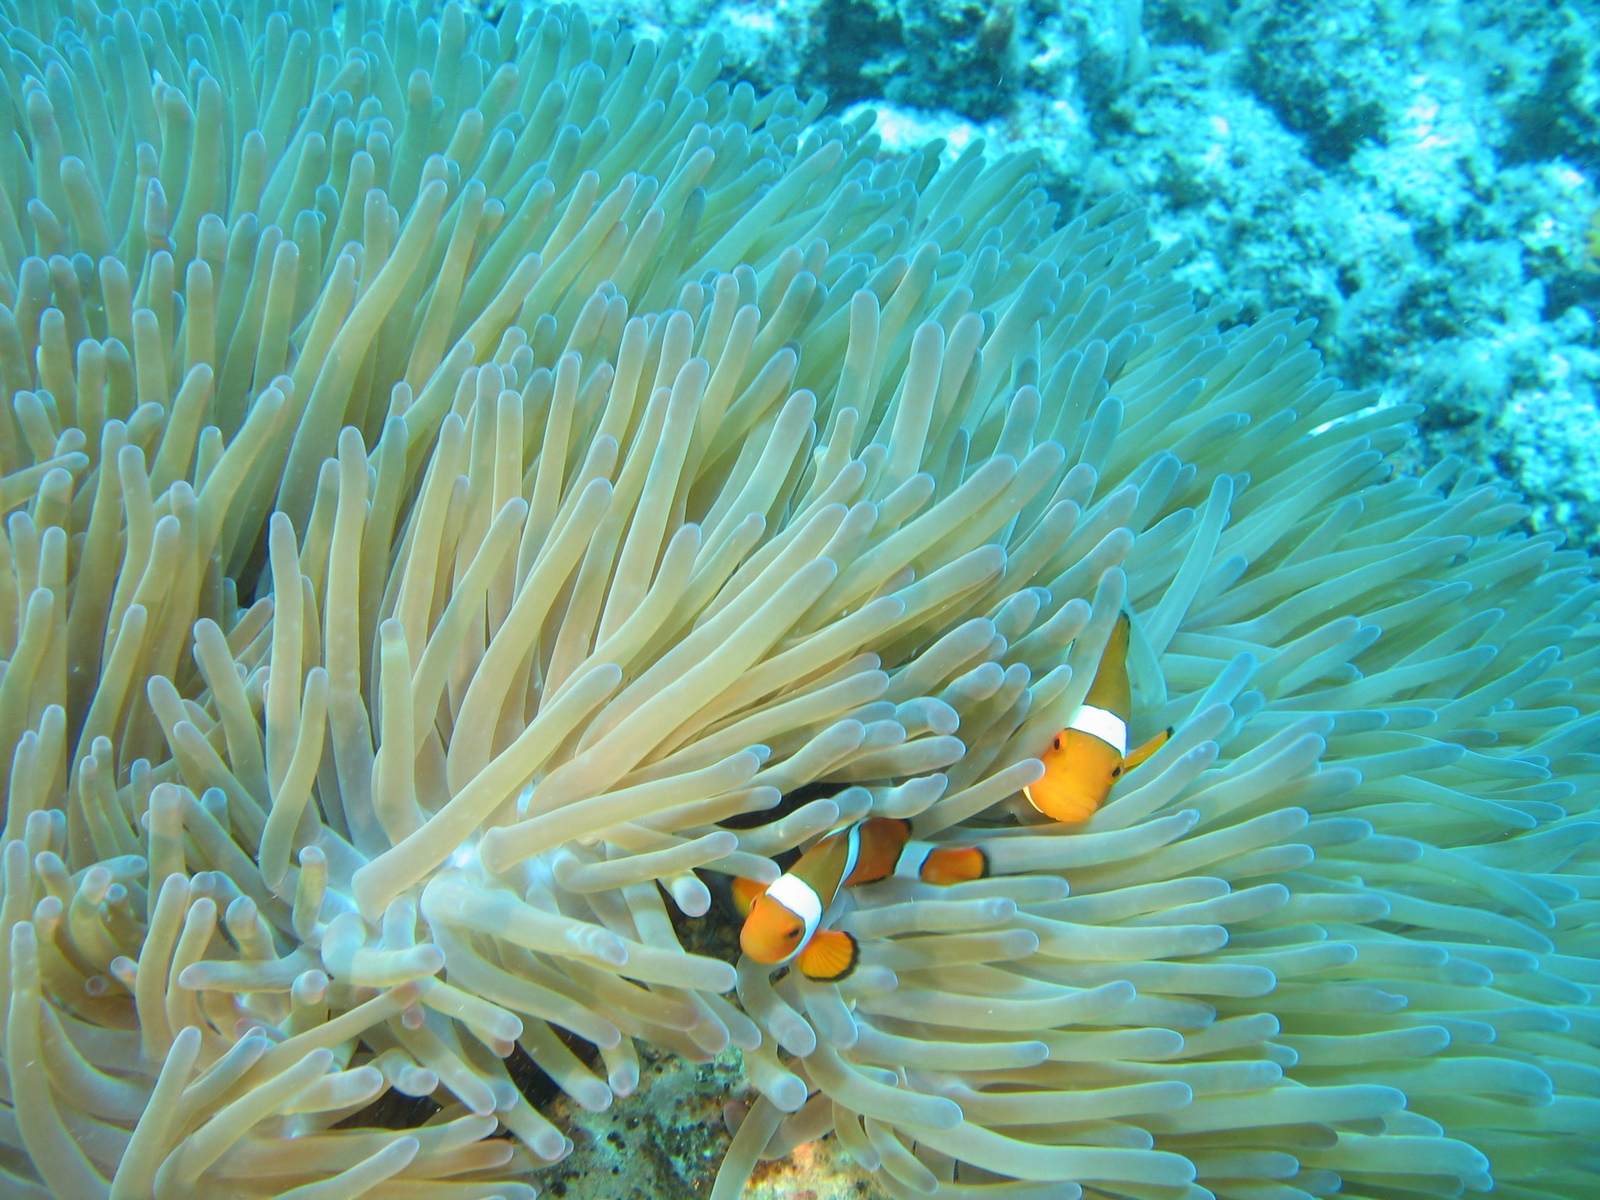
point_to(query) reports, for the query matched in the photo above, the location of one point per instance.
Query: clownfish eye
(1056, 744)
(1115, 771)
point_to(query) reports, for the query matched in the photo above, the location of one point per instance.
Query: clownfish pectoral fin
(1140, 753)
(946, 865)
(745, 893)
(829, 957)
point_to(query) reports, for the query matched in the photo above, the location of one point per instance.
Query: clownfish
(781, 920)
(1087, 758)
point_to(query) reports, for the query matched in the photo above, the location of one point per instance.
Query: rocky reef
(1422, 178)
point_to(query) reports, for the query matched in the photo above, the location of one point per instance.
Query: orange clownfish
(781, 921)
(1087, 758)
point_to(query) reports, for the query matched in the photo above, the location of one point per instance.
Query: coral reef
(945, 54)
(1311, 69)
(473, 485)
(1417, 176)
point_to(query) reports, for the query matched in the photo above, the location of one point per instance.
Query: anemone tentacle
(452, 465)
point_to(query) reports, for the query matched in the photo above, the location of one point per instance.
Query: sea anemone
(454, 467)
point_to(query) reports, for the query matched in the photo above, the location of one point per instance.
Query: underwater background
(1423, 179)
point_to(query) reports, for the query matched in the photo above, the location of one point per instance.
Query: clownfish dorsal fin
(745, 893)
(1110, 689)
(881, 841)
(1147, 682)
(829, 862)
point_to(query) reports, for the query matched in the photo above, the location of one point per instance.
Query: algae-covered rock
(950, 55)
(1313, 66)
(920, 53)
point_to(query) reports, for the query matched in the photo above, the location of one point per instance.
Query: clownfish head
(772, 933)
(1079, 772)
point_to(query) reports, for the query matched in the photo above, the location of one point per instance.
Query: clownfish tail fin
(948, 865)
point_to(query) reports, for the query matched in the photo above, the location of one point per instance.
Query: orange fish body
(1086, 759)
(783, 921)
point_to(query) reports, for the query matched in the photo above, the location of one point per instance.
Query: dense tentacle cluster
(452, 466)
